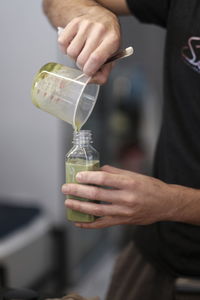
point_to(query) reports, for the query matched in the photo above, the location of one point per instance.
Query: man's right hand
(90, 39)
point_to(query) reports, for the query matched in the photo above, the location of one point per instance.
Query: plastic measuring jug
(65, 93)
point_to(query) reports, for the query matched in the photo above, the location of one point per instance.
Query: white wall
(30, 161)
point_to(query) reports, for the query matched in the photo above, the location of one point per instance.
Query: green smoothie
(73, 166)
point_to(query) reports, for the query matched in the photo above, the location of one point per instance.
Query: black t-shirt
(176, 246)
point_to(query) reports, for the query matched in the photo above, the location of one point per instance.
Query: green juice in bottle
(82, 157)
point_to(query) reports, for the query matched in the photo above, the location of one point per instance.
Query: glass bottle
(82, 157)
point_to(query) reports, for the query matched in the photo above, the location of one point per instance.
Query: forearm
(186, 204)
(61, 12)
(119, 7)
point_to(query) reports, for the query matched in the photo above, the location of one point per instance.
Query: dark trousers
(136, 279)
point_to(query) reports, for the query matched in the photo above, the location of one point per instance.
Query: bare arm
(91, 32)
(60, 12)
(119, 7)
(134, 199)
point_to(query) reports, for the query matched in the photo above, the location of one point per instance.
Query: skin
(132, 198)
(91, 32)
(91, 35)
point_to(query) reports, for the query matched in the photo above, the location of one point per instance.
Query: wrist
(60, 13)
(184, 204)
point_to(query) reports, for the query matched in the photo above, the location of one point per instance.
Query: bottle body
(82, 157)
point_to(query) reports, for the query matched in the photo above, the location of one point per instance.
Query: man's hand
(91, 32)
(131, 198)
(90, 39)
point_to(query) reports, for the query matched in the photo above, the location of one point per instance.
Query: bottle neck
(82, 137)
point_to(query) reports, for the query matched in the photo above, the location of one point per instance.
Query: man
(167, 205)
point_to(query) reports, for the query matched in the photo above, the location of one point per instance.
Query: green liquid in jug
(74, 166)
(40, 77)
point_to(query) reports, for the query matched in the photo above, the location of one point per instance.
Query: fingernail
(62, 49)
(89, 71)
(68, 202)
(60, 40)
(79, 66)
(60, 30)
(79, 176)
(64, 189)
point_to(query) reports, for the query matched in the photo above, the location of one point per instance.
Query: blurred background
(39, 249)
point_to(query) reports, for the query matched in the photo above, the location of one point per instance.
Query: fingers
(99, 55)
(92, 40)
(102, 222)
(90, 44)
(102, 178)
(93, 208)
(111, 169)
(83, 43)
(76, 45)
(67, 34)
(114, 170)
(102, 75)
(93, 192)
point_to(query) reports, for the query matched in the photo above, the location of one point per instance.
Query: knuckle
(86, 23)
(72, 52)
(73, 190)
(102, 178)
(128, 213)
(95, 193)
(115, 44)
(115, 40)
(97, 210)
(61, 42)
(77, 206)
(131, 183)
(128, 201)
(80, 60)
(102, 80)
(76, 20)
(101, 28)
(96, 58)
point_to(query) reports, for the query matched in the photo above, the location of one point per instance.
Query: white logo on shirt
(191, 53)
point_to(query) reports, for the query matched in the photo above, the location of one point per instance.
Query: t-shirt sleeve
(150, 11)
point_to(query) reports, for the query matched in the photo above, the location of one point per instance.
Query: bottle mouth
(82, 137)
